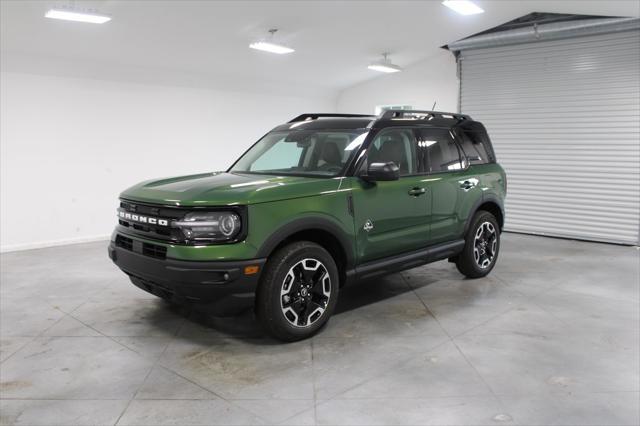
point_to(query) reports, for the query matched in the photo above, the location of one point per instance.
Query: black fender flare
(309, 224)
(486, 198)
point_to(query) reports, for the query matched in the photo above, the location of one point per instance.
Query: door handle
(416, 192)
(468, 184)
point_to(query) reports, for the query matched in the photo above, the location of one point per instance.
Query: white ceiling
(204, 43)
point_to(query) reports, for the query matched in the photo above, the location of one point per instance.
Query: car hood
(220, 189)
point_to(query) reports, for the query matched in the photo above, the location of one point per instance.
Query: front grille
(131, 224)
(153, 250)
(124, 242)
(149, 230)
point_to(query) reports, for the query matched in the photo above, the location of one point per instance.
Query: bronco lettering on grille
(142, 219)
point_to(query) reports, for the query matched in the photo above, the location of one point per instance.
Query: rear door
(392, 217)
(446, 183)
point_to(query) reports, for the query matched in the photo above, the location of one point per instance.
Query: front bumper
(179, 280)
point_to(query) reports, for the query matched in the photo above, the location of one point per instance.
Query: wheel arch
(489, 203)
(320, 231)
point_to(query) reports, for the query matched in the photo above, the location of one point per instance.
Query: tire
(482, 246)
(298, 291)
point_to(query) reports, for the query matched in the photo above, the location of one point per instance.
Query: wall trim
(44, 244)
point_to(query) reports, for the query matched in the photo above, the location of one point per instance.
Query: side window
(474, 148)
(397, 145)
(442, 152)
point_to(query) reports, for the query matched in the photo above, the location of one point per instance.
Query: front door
(392, 217)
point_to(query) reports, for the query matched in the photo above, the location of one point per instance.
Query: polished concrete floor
(550, 337)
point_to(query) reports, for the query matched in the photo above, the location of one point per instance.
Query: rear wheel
(298, 291)
(482, 244)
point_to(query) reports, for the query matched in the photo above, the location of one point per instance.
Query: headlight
(210, 226)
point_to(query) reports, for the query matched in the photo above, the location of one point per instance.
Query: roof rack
(400, 113)
(304, 117)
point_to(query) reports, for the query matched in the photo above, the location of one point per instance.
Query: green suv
(317, 203)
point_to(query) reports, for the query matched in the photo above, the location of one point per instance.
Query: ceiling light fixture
(72, 14)
(463, 7)
(385, 65)
(271, 47)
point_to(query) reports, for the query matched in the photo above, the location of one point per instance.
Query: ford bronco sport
(317, 203)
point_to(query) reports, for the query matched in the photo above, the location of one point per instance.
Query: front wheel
(482, 244)
(298, 291)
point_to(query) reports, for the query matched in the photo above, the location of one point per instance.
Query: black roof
(328, 123)
(391, 118)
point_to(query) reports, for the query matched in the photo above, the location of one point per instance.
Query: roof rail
(303, 117)
(400, 113)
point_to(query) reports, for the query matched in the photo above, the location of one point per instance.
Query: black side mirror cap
(382, 172)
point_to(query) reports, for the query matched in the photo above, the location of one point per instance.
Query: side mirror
(382, 172)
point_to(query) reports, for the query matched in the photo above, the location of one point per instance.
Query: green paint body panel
(226, 189)
(272, 202)
(404, 223)
(401, 222)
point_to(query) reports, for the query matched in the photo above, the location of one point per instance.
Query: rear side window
(442, 154)
(475, 147)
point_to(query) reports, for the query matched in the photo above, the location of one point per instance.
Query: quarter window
(474, 148)
(442, 152)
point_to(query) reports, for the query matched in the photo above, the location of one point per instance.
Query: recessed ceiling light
(463, 7)
(384, 65)
(270, 46)
(78, 16)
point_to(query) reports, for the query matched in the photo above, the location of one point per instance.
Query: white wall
(419, 85)
(70, 145)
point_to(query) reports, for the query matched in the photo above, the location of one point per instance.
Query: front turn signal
(251, 269)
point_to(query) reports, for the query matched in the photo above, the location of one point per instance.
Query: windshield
(322, 153)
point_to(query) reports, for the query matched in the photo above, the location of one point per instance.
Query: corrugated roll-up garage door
(564, 117)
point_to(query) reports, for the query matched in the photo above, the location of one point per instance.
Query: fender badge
(368, 225)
